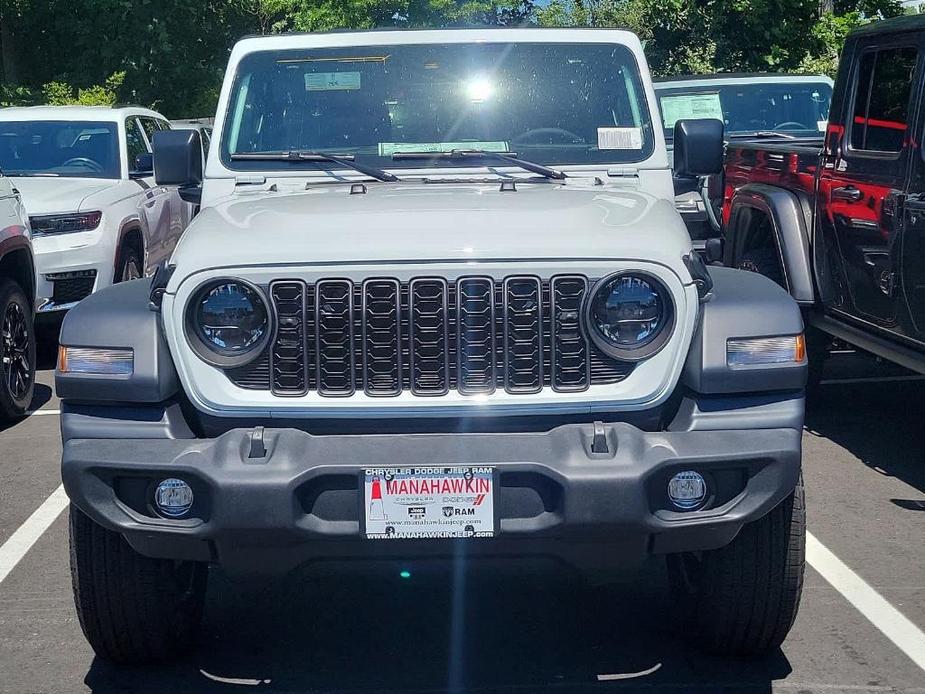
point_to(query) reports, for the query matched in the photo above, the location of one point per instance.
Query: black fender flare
(119, 317)
(790, 216)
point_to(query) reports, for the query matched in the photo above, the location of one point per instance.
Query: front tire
(742, 599)
(129, 264)
(133, 609)
(17, 351)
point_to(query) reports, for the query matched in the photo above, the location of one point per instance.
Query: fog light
(687, 490)
(173, 498)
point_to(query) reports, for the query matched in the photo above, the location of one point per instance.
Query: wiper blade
(507, 157)
(762, 134)
(294, 155)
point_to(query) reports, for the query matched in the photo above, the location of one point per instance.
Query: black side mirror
(177, 158)
(144, 166)
(698, 147)
(713, 249)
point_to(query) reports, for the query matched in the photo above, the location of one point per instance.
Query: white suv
(87, 181)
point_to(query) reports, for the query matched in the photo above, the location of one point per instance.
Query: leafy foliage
(170, 54)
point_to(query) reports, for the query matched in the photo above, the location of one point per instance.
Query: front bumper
(72, 256)
(556, 496)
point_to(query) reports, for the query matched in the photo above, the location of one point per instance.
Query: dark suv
(843, 228)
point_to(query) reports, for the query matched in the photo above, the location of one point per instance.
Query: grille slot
(334, 337)
(429, 336)
(381, 330)
(523, 333)
(475, 335)
(571, 368)
(289, 362)
(430, 349)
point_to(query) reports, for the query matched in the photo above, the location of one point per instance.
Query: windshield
(549, 103)
(78, 149)
(796, 108)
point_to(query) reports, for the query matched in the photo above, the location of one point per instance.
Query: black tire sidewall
(10, 407)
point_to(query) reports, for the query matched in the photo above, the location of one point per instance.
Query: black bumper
(556, 496)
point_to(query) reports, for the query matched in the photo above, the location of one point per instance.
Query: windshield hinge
(623, 173)
(250, 180)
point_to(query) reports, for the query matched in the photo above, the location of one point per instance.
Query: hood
(52, 194)
(433, 222)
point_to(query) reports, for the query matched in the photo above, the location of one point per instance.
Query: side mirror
(177, 158)
(144, 166)
(713, 249)
(698, 147)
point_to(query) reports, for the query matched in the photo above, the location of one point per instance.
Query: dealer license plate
(429, 502)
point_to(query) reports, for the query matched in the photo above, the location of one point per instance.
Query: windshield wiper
(762, 134)
(295, 155)
(507, 157)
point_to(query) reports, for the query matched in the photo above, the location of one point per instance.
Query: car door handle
(847, 194)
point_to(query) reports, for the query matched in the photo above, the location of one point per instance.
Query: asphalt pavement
(513, 627)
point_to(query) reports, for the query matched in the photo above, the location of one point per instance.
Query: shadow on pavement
(880, 423)
(491, 628)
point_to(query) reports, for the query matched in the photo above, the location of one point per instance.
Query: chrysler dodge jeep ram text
(437, 299)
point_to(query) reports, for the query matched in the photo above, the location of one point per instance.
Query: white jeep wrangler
(437, 295)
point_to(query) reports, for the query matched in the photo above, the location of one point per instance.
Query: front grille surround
(429, 336)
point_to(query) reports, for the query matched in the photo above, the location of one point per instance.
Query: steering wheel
(83, 161)
(536, 133)
(790, 125)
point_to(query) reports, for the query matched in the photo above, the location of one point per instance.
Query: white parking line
(890, 621)
(38, 413)
(21, 541)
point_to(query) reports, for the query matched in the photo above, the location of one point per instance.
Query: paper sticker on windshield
(331, 81)
(821, 125)
(387, 149)
(683, 106)
(619, 138)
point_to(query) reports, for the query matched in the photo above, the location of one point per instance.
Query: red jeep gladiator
(840, 224)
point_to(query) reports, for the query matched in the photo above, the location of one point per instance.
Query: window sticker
(619, 138)
(387, 149)
(821, 125)
(682, 106)
(331, 81)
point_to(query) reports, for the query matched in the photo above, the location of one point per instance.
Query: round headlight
(228, 322)
(629, 316)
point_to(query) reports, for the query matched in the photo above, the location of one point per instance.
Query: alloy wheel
(14, 351)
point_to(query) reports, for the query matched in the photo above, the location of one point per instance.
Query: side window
(134, 142)
(162, 124)
(150, 127)
(881, 103)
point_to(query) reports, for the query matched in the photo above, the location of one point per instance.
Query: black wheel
(763, 260)
(742, 599)
(132, 609)
(17, 351)
(129, 264)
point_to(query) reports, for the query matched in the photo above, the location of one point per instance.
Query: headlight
(228, 322)
(629, 315)
(64, 223)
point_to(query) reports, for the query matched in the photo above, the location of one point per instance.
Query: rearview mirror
(698, 147)
(177, 158)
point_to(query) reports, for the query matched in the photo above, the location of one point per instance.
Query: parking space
(456, 625)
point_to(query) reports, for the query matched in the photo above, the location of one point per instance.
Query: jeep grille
(429, 336)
